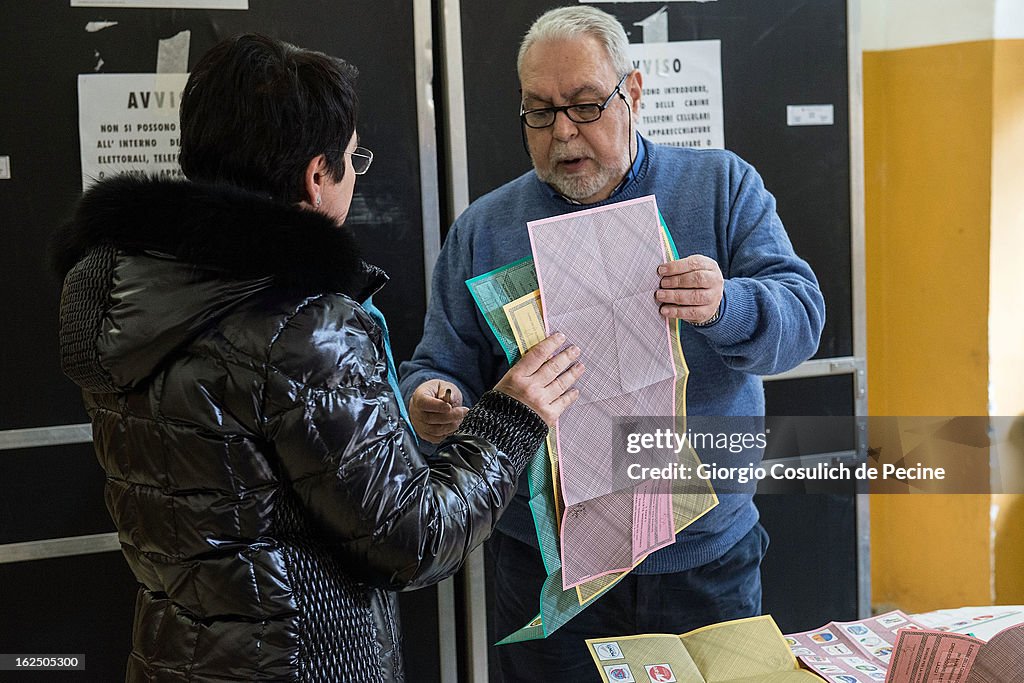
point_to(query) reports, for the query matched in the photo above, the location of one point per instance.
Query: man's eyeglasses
(361, 159)
(577, 113)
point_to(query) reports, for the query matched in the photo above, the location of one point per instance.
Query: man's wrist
(712, 320)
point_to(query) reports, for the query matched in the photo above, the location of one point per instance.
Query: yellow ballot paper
(741, 651)
(526, 320)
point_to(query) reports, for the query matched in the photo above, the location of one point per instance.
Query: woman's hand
(543, 381)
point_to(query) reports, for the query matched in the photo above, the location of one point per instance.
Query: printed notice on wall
(128, 123)
(165, 4)
(682, 99)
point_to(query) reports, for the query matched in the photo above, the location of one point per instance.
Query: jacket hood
(149, 264)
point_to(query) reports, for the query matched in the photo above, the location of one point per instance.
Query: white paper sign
(682, 98)
(128, 123)
(165, 4)
(810, 115)
(5, 168)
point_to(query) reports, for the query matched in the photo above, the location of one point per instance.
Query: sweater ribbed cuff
(738, 318)
(511, 426)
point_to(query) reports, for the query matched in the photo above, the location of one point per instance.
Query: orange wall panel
(928, 156)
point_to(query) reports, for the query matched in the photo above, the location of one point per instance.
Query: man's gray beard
(580, 187)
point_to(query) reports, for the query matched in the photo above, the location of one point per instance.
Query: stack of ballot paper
(892, 648)
(593, 277)
(980, 622)
(945, 646)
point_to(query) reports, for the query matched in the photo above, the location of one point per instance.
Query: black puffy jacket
(266, 492)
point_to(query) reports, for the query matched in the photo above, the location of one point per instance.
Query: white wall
(898, 24)
(1009, 19)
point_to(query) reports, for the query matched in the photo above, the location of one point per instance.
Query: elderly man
(750, 305)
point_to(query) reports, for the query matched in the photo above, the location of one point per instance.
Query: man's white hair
(578, 22)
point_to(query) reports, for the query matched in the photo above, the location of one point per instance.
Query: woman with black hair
(266, 487)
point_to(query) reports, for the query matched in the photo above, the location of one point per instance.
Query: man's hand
(691, 289)
(436, 410)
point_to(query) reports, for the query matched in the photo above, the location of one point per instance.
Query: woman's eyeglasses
(361, 159)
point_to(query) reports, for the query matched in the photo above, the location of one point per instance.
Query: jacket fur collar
(238, 232)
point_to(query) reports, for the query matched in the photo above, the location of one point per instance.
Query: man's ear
(313, 181)
(634, 89)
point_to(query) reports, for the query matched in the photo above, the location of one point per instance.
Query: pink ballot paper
(597, 271)
(851, 651)
(925, 656)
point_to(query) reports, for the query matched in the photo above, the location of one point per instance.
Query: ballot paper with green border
(491, 291)
(748, 650)
(509, 302)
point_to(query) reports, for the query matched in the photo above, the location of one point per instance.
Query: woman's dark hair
(255, 110)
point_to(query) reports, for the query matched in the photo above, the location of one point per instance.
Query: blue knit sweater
(714, 204)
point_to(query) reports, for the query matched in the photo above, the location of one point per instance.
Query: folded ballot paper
(927, 656)
(741, 651)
